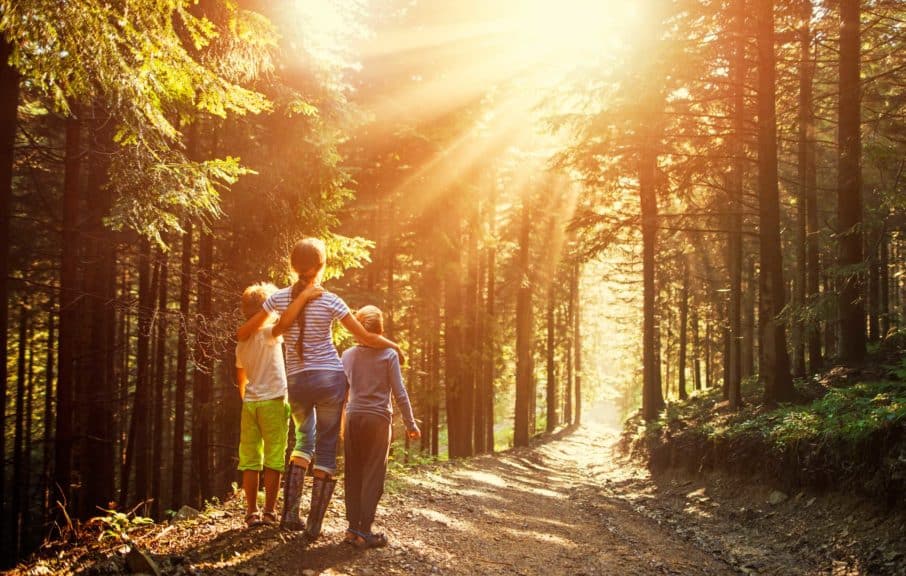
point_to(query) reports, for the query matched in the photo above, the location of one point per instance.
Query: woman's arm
(292, 312)
(369, 338)
(252, 325)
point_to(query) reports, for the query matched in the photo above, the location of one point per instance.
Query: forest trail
(565, 506)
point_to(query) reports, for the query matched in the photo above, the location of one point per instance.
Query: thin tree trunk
(849, 191)
(19, 456)
(884, 280)
(491, 324)
(49, 368)
(142, 402)
(202, 379)
(523, 334)
(570, 356)
(808, 181)
(696, 354)
(551, 391)
(157, 460)
(577, 337)
(734, 245)
(182, 355)
(9, 103)
(684, 320)
(775, 367)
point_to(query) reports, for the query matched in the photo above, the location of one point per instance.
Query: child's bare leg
(271, 487)
(250, 487)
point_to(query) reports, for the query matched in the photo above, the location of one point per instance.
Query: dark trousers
(367, 445)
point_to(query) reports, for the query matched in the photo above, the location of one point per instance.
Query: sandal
(253, 519)
(368, 540)
(351, 537)
(269, 518)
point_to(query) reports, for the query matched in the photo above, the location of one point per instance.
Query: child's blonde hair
(371, 318)
(254, 296)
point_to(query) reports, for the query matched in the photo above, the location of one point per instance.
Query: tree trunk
(182, 355)
(95, 373)
(849, 190)
(491, 324)
(884, 280)
(577, 338)
(696, 353)
(524, 374)
(142, 402)
(49, 368)
(808, 182)
(776, 365)
(684, 320)
(652, 395)
(202, 378)
(157, 460)
(551, 389)
(734, 245)
(9, 104)
(69, 310)
(19, 488)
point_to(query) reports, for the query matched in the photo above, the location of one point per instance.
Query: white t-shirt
(320, 353)
(262, 358)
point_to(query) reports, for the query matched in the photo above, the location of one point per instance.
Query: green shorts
(262, 436)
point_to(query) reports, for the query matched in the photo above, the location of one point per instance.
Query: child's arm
(292, 311)
(402, 399)
(241, 381)
(369, 338)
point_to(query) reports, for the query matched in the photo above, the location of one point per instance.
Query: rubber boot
(321, 493)
(292, 498)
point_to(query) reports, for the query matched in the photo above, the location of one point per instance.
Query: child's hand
(414, 433)
(312, 292)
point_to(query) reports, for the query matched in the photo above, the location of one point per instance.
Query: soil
(568, 505)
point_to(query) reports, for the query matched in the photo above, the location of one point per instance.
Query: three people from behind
(316, 382)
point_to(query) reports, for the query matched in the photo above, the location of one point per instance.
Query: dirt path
(564, 507)
(524, 512)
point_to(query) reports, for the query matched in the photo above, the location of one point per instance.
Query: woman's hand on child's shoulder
(313, 291)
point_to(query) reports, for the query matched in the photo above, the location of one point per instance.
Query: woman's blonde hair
(371, 318)
(254, 296)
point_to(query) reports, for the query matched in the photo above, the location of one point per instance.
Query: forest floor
(568, 505)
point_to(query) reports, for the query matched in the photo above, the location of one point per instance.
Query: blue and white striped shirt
(320, 353)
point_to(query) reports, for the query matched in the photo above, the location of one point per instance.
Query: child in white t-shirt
(261, 377)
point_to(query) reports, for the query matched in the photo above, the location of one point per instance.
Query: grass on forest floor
(847, 414)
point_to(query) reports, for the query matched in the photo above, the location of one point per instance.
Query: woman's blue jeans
(316, 398)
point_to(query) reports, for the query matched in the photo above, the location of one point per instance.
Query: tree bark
(684, 321)
(734, 245)
(157, 460)
(776, 365)
(69, 312)
(849, 187)
(202, 377)
(9, 104)
(808, 182)
(182, 355)
(577, 338)
(524, 374)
